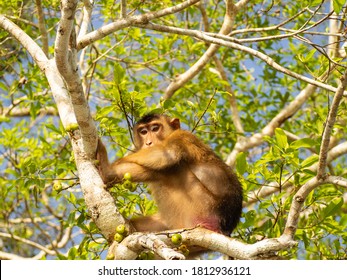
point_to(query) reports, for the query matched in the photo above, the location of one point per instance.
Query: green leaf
(281, 138)
(118, 73)
(241, 163)
(315, 3)
(72, 253)
(333, 207)
(303, 143)
(309, 161)
(337, 5)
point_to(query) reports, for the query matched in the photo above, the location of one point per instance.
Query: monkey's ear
(175, 123)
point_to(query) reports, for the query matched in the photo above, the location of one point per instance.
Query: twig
(204, 112)
(42, 27)
(232, 98)
(28, 242)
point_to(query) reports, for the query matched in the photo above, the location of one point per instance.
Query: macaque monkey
(191, 185)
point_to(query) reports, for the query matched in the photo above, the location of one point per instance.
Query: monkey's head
(153, 129)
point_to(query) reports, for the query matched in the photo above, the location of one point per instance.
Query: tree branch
(267, 59)
(66, 61)
(9, 256)
(29, 44)
(99, 201)
(132, 245)
(257, 138)
(232, 98)
(28, 242)
(183, 78)
(42, 27)
(129, 21)
(86, 18)
(323, 155)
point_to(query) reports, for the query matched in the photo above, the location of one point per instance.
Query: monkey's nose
(149, 143)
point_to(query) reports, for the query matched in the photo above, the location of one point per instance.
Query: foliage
(125, 75)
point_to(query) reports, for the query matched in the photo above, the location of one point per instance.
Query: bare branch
(66, 61)
(283, 115)
(323, 155)
(233, 247)
(126, 22)
(86, 18)
(137, 242)
(268, 60)
(28, 242)
(22, 112)
(123, 9)
(28, 43)
(99, 201)
(42, 27)
(232, 98)
(182, 79)
(336, 180)
(9, 256)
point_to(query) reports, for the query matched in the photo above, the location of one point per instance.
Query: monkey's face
(150, 134)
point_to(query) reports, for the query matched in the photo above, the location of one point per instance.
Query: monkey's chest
(181, 199)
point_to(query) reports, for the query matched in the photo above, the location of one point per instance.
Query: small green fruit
(129, 185)
(71, 127)
(176, 239)
(110, 257)
(127, 176)
(184, 249)
(121, 229)
(143, 256)
(57, 187)
(150, 255)
(118, 237)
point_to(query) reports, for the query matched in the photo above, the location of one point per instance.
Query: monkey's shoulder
(186, 140)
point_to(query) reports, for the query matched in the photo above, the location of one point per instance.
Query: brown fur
(189, 182)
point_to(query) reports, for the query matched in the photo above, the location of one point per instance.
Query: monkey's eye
(155, 128)
(143, 131)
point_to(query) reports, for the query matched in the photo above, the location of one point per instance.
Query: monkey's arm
(179, 146)
(115, 172)
(154, 158)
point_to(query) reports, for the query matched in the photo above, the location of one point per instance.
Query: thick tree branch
(100, 202)
(132, 245)
(66, 61)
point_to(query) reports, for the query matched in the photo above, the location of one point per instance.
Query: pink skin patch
(210, 223)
